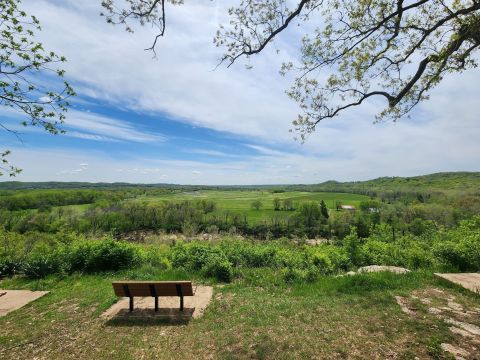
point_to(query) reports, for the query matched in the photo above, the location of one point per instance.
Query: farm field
(240, 201)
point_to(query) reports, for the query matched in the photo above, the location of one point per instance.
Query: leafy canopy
(22, 88)
(396, 50)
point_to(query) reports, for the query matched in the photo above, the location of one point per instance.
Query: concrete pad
(11, 300)
(470, 281)
(169, 306)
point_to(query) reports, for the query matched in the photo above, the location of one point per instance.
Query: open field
(240, 201)
(258, 317)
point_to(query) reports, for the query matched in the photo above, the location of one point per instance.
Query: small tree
(276, 204)
(257, 204)
(288, 204)
(323, 209)
(353, 247)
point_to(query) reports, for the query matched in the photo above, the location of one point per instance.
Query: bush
(219, 268)
(9, 267)
(156, 258)
(245, 254)
(323, 263)
(193, 256)
(106, 255)
(39, 265)
(461, 247)
(208, 259)
(352, 246)
(296, 275)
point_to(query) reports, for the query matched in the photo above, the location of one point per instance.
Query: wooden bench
(154, 289)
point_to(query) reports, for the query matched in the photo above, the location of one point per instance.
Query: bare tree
(396, 50)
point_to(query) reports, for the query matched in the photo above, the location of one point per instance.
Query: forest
(428, 223)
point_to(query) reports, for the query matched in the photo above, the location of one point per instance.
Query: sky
(178, 119)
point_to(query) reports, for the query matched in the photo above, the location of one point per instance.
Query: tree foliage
(24, 83)
(149, 11)
(257, 204)
(352, 51)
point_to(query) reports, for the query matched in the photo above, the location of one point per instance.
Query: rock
(434, 310)
(461, 332)
(459, 353)
(405, 306)
(378, 268)
(454, 306)
(471, 328)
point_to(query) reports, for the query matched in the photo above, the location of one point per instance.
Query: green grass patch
(258, 316)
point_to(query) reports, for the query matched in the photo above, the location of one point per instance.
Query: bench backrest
(152, 288)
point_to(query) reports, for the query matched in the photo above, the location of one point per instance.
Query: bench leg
(156, 303)
(131, 303)
(181, 303)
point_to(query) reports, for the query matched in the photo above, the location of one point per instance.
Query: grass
(257, 317)
(239, 201)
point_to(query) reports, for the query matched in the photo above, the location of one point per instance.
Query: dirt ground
(11, 300)
(144, 307)
(463, 319)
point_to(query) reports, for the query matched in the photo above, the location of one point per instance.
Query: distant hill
(446, 181)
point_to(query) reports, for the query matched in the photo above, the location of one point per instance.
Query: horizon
(143, 120)
(246, 185)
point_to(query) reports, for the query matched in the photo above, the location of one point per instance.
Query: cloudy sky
(176, 119)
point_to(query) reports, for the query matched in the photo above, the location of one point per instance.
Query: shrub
(193, 256)
(208, 259)
(39, 265)
(106, 255)
(156, 258)
(296, 275)
(219, 268)
(241, 253)
(460, 247)
(322, 263)
(351, 243)
(9, 267)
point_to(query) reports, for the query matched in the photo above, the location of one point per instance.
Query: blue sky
(176, 120)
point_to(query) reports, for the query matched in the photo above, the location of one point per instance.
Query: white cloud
(97, 127)
(110, 65)
(211, 153)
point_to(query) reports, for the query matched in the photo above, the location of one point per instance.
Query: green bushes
(39, 265)
(296, 275)
(461, 250)
(8, 267)
(80, 256)
(107, 255)
(454, 249)
(242, 253)
(219, 268)
(208, 259)
(295, 262)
